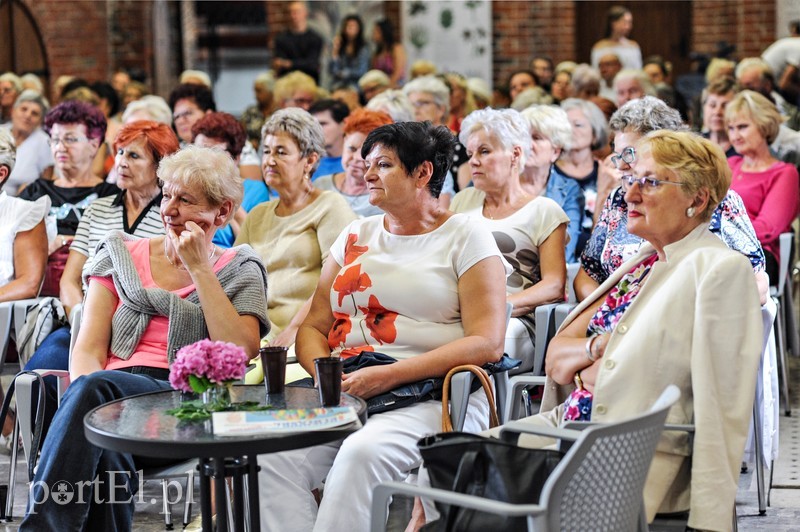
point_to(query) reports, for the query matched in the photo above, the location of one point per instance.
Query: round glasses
(627, 156)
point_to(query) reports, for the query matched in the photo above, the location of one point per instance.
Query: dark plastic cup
(329, 380)
(273, 361)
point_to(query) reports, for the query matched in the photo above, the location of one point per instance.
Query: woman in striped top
(139, 147)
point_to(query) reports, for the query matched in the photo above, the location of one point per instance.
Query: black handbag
(488, 468)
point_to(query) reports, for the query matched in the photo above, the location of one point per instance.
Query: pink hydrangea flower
(211, 362)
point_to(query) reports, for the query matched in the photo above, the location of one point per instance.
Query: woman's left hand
(285, 338)
(190, 246)
(367, 382)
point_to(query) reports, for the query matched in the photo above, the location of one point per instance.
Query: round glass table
(140, 425)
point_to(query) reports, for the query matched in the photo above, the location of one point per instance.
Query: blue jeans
(53, 353)
(68, 456)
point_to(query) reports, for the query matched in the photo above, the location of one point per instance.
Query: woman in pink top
(768, 187)
(147, 298)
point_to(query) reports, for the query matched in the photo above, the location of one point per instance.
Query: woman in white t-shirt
(529, 230)
(23, 237)
(419, 283)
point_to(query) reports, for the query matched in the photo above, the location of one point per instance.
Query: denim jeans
(67, 456)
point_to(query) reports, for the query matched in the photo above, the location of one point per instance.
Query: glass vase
(217, 398)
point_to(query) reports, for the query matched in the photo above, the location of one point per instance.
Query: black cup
(273, 361)
(329, 380)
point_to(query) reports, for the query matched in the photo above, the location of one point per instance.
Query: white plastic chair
(785, 323)
(597, 486)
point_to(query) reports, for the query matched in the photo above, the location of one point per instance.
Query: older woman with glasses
(10, 88)
(34, 159)
(611, 243)
(76, 132)
(684, 310)
(293, 234)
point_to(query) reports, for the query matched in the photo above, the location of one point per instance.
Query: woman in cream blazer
(695, 323)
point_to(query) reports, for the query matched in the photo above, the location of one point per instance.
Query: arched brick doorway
(21, 45)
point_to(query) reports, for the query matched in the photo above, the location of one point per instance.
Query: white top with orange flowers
(398, 294)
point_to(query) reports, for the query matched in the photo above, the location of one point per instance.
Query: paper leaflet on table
(291, 420)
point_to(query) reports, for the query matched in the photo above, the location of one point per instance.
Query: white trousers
(385, 449)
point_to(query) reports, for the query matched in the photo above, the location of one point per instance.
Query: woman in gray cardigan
(146, 298)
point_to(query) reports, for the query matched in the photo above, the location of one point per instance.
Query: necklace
(181, 265)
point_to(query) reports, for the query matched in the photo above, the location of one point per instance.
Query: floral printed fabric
(398, 294)
(611, 245)
(578, 406)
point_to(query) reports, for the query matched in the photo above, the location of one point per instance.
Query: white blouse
(16, 215)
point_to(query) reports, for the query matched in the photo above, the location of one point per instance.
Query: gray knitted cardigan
(243, 279)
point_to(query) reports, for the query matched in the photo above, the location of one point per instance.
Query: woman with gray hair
(34, 159)
(589, 133)
(293, 233)
(610, 243)
(529, 230)
(550, 132)
(148, 107)
(395, 103)
(160, 293)
(630, 84)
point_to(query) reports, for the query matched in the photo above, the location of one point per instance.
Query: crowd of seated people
(396, 164)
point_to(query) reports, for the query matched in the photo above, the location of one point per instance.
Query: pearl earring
(690, 212)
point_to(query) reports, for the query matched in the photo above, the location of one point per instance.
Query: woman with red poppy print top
(419, 283)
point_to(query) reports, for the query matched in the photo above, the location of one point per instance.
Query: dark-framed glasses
(627, 156)
(646, 184)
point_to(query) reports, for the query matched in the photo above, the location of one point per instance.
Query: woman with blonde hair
(296, 89)
(768, 187)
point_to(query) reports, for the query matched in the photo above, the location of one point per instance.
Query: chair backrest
(75, 327)
(599, 483)
(785, 250)
(572, 272)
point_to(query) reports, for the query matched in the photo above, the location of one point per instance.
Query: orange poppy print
(351, 251)
(351, 352)
(380, 321)
(340, 329)
(351, 281)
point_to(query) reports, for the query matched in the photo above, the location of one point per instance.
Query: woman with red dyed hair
(350, 183)
(139, 147)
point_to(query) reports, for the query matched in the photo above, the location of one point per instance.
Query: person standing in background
(300, 47)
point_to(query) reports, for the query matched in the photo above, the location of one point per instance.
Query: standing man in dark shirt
(300, 47)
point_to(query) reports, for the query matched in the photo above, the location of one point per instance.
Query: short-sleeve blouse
(398, 294)
(519, 235)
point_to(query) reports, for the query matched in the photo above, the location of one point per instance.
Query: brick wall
(748, 24)
(130, 35)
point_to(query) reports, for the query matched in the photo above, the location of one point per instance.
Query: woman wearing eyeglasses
(76, 132)
(683, 310)
(34, 159)
(611, 242)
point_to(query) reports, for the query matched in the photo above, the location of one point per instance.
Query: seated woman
(76, 131)
(34, 159)
(446, 310)
(350, 183)
(293, 233)
(529, 230)
(550, 133)
(611, 244)
(589, 133)
(769, 188)
(685, 311)
(23, 238)
(217, 294)
(139, 147)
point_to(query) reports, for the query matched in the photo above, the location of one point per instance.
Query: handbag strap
(483, 377)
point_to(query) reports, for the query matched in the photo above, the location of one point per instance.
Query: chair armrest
(515, 386)
(682, 428)
(511, 431)
(460, 385)
(384, 492)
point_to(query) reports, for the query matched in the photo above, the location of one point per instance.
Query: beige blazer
(696, 323)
